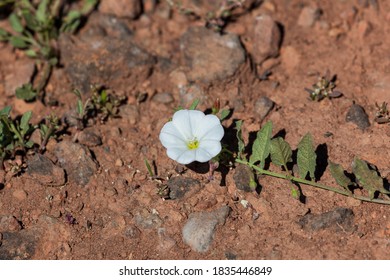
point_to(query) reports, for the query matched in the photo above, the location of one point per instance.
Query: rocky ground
(90, 196)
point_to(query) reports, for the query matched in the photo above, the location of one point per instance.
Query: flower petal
(202, 155)
(210, 129)
(171, 137)
(186, 157)
(181, 120)
(213, 147)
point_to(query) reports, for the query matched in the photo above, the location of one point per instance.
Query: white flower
(192, 136)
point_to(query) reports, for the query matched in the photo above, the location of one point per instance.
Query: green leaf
(31, 53)
(18, 42)
(103, 96)
(26, 92)
(3, 34)
(224, 114)
(338, 174)
(367, 178)
(29, 144)
(24, 122)
(16, 23)
(80, 109)
(281, 152)
(241, 144)
(5, 111)
(261, 146)
(148, 167)
(41, 13)
(306, 157)
(30, 20)
(194, 104)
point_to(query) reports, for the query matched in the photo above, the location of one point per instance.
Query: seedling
(382, 114)
(216, 19)
(48, 130)
(324, 88)
(105, 104)
(36, 27)
(14, 134)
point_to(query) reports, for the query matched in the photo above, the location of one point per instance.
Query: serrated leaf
(24, 122)
(306, 157)
(15, 22)
(367, 178)
(26, 92)
(337, 172)
(18, 42)
(241, 143)
(224, 114)
(261, 146)
(281, 152)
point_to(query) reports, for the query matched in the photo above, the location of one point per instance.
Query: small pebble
(118, 162)
(163, 97)
(358, 116)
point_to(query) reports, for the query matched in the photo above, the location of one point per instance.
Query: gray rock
(338, 218)
(263, 106)
(267, 38)
(210, 56)
(117, 62)
(18, 245)
(77, 161)
(89, 138)
(147, 220)
(199, 230)
(179, 186)
(358, 116)
(45, 171)
(243, 175)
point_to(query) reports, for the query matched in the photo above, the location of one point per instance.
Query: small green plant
(48, 130)
(382, 114)
(324, 88)
(279, 152)
(213, 19)
(105, 104)
(14, 134)
(36, 27)
(101, 104)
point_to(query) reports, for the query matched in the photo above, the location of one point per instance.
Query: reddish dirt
(118, 213)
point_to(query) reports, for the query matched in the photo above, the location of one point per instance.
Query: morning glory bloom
(192, 136)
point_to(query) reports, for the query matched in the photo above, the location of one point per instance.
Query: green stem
(311, 183)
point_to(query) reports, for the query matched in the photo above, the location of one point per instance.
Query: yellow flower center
(193, 144)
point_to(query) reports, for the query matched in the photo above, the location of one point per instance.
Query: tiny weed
(324, 88)
(14, 133)
(382, 114)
